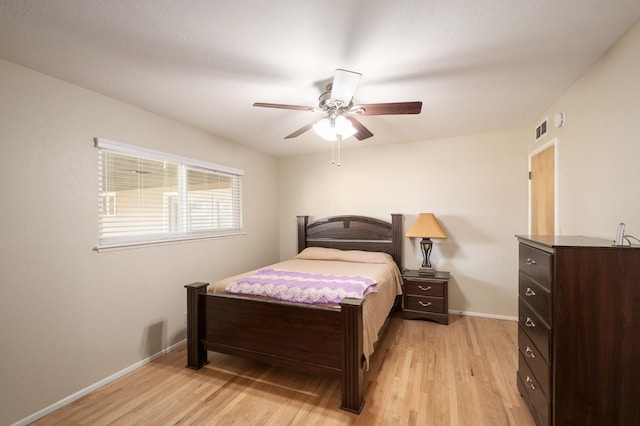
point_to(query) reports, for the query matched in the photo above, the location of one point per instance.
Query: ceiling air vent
(541, 130)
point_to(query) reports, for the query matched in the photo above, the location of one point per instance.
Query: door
(542, 181)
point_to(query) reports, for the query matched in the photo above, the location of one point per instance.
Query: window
(149, 197)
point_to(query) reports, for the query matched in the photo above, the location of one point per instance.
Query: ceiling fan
(336, 103)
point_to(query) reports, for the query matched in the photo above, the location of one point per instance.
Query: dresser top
(568, 241)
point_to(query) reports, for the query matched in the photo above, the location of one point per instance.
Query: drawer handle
(424, 304)
(530, 292)
(530, 383)
(529, 322)
(424, 288)
(529, 353)
(530, 261)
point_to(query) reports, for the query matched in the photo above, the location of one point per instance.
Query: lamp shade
(426, 226)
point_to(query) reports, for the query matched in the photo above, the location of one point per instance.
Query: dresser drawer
(537, 400)
(538, 366)
(424, 304)
(536, 296)
(535, 328)
(536, 263)
(422, 288)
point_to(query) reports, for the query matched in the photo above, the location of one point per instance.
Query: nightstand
(425, 296)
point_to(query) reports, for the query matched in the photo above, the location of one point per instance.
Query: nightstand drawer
(421, 288)
(424, 304)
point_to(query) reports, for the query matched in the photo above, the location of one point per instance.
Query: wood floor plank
(423, 373)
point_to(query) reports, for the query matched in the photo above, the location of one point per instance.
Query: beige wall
(476, 185)
(70, 317)
(599, 145)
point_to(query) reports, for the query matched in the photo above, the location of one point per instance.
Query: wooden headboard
(353, 233)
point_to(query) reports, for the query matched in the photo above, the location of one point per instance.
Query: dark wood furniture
(313, 339)
(579, 330)
(425, 296)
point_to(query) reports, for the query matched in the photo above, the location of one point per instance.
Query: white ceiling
(477, 66)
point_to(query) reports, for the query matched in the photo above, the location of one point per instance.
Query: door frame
(553, 142)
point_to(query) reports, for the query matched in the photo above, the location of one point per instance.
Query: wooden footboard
(311, 339)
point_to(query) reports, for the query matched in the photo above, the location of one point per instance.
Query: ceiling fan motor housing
(327, 104)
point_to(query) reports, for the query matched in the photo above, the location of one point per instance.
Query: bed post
(302, 232)
(196, 353)
(352, 362)
(396, 232)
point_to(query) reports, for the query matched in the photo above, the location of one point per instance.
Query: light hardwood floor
(423, 373)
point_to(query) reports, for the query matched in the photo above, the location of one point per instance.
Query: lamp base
(426, 271)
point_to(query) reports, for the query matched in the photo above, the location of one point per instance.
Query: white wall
(599, 145)
(476, 185)
(70, 317)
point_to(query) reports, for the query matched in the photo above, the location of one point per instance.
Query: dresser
(425, 296)
(579, 330)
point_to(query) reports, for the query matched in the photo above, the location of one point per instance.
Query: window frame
(166, 236)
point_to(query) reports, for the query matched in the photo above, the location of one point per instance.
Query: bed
(325, 339)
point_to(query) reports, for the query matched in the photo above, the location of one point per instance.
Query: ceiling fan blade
(284, 106)
(344, 85)
(362, 132)
(301, 130)
(388, 108)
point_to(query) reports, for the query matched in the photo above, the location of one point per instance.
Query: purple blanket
(302, 287)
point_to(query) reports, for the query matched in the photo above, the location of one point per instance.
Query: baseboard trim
(68, 400)
(483, 315)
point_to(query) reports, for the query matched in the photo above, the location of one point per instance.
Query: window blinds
(149, 197)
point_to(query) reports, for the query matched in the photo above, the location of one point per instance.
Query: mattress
(375, 265)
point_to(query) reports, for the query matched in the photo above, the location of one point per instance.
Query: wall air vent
(541, 130)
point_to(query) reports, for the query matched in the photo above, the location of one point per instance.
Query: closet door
(542, 181)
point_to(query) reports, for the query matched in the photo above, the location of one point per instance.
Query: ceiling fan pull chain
(333, 153)
(339, 137)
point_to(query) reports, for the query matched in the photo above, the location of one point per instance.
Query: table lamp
(426, 226)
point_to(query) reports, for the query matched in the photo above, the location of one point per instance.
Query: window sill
(141, 244)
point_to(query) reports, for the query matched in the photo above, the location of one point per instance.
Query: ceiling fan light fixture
(344, 127)
(324, 130)
(329, 131)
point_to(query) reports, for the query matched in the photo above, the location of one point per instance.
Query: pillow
(357, 256)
